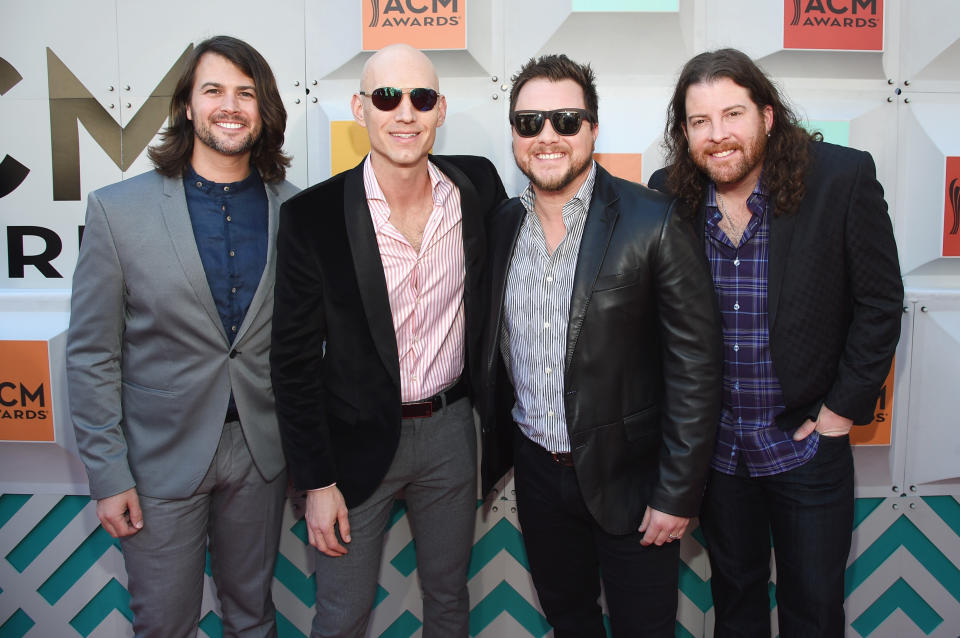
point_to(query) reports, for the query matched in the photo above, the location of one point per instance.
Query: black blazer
(335, 367)
(835, 295)
(642, 368)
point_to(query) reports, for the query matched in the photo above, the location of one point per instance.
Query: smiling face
(402, 137)
(224, 110)
(727, 132)
(554, 162)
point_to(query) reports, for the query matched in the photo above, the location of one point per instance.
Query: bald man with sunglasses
(376, 338)
(602, 367)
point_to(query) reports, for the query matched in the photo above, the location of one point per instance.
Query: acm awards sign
(838, 25)
(25, 410)
(424, 24)
(951, 209)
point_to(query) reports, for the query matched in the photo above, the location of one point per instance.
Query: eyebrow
(729, 108)
(217, 85)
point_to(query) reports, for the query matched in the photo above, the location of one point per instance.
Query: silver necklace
(736, 234)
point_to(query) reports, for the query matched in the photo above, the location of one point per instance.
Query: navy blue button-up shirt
(752, 397)
(230, 227)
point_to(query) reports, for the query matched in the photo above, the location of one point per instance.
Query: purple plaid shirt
(751, 391)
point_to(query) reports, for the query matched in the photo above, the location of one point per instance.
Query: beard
(753, 151)
(206, 134)
(577, 168)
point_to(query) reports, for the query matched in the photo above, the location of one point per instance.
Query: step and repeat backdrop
(84, 89)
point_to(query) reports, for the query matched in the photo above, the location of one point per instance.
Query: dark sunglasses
(564, 121)
(387, 98)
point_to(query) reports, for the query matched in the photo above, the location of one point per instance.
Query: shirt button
(550, 413)
(548, 370)
(736, 347)
(232, 253)
(233, 328)
(736, 386)
(736, 306)
(736, 262)
(226, 188)
(549, 280)
(233, 291)
(229, 219)
(199, 184)
(223, 207)
(546, 324)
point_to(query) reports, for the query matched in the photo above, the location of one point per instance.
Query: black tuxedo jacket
(835, 295)
(643, 364)
(334, 361)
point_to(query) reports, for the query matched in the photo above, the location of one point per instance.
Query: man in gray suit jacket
(167, 353)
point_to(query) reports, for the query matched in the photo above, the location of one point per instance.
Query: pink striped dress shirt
(425, 288)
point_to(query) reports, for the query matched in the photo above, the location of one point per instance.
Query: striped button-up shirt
(425, 288)
(536, 312)
(752, 397)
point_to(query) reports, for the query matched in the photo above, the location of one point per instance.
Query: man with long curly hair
(167, 353)
(806, 275)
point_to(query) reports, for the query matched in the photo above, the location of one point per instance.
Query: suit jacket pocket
(619, 280)
(640, 427)
(149, 390)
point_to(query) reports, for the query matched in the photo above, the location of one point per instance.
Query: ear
(189, 113)
(441, 110)
(683, 125)
(768, 118)
(595, 131)
(356, 105)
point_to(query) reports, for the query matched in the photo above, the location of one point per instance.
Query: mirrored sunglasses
(564, 121)
(387, 98)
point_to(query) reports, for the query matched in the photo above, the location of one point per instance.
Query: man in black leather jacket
(602, 367)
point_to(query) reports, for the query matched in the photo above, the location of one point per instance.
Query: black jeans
(569, 554)
(809, 513)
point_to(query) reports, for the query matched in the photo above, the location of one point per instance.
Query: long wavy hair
(172, 155)
(788, 147)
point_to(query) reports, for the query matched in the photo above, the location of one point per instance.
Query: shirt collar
(579, 203)
(197, 181)
(756, 202)
(440, 187)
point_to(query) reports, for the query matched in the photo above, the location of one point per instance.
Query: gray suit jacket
(149, 367)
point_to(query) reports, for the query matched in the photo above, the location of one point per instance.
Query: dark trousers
(809, 513)
(569, 554)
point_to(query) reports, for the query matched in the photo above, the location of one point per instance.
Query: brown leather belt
(425, 409)
(562, 458)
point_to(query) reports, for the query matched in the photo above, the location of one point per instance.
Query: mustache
(720, 148)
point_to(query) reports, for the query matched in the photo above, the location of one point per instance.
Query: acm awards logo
(72, 104)
(842, 25)
(951, 209)
(424, 24)
(25, 410)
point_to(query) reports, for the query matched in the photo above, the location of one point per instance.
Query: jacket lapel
(369, 270)
(176, 218)
(265, 287)
(601, 220)
(781, 234)
(504, 231)
(474, 248)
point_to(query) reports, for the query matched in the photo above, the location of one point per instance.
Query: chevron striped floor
(62, 575)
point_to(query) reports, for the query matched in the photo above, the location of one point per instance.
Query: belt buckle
(562, 458)
(418, 410)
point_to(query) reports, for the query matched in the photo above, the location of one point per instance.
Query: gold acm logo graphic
(424, 24)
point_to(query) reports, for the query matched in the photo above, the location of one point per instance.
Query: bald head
(390, 64)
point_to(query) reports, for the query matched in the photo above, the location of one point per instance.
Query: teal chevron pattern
(901, 596)
(53, 550)
(904, 533)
